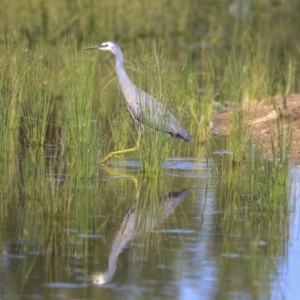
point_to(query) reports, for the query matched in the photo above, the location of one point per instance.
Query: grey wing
(152, 113)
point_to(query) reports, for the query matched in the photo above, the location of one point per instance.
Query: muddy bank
(263, 120)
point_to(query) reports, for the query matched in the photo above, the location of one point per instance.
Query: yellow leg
(107, 157)
(120, 172)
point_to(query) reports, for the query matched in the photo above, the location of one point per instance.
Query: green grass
(255, 205)
(262, 182)
(55, 36)
(55, 93)
(83, 136)
(52, 92)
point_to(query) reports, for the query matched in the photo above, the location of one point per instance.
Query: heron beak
(91, 48)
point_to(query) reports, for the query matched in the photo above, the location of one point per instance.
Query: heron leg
(110, 155)
(114, 153)
(120, 172)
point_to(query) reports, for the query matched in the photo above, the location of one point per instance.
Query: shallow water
(171, 238)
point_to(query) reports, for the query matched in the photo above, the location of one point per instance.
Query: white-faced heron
(143, 108)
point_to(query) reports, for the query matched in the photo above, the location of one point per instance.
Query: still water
(135, 238)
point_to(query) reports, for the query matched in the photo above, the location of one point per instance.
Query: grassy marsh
(55, 93)
(62, 112)
(65, 79)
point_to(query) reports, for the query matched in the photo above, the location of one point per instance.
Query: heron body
(144, 109)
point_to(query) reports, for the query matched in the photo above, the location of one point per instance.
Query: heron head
(106, 46)
(99, 278)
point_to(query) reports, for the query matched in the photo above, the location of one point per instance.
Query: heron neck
(119, 65)
(119, 59)
(123, 78)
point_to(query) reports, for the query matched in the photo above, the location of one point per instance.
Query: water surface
(125, 237)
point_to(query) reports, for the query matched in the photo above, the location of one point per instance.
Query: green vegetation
(254, 199)
(62, 95)
(62, 112)
(52, 92)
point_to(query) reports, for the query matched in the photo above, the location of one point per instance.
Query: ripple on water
(65, 285)
(184, 167)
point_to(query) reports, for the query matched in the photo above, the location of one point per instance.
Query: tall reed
(82, 135)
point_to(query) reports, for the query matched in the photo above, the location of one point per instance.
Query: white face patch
(108, 46)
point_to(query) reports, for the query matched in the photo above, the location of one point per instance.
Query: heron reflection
(144, 215)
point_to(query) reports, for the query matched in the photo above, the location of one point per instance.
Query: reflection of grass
(151, 212)
(252, 239)
(54, 214)
(255, 204)
(61, 202)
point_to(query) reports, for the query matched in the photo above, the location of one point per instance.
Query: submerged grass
(256, 209)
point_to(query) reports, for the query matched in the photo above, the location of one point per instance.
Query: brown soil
(262, 124)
